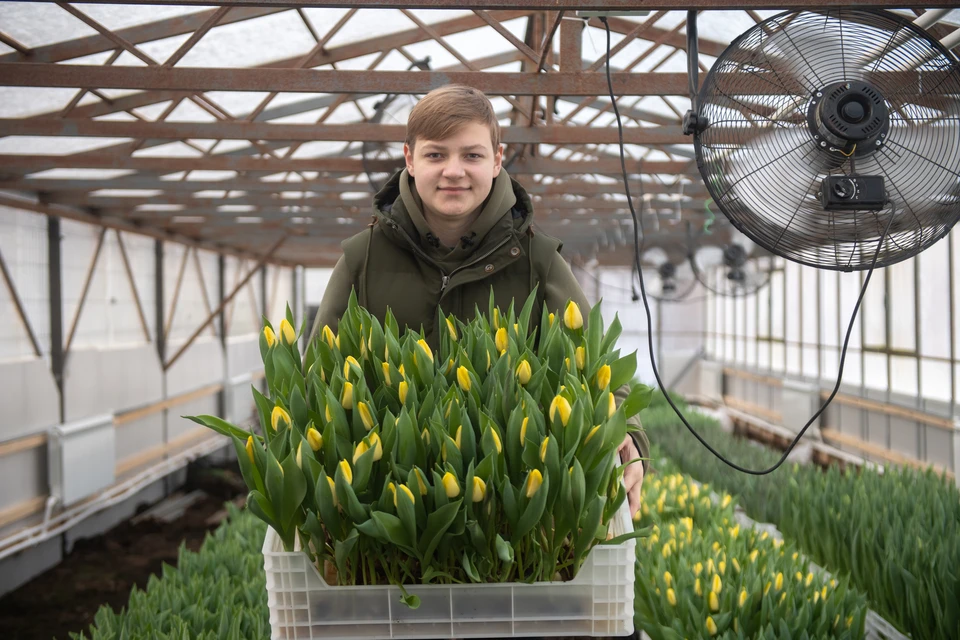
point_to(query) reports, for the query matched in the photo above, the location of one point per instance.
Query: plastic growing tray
(598, 602)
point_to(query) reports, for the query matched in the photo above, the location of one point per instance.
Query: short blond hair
(444, 111)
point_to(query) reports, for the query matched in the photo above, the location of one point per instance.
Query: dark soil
(103, 570)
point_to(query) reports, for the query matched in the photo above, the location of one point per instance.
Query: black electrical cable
(646, 304)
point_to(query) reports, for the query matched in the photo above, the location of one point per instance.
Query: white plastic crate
(598, 602)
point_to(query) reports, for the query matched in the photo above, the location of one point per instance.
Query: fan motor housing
(849, 112)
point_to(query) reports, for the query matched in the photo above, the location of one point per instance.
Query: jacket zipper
(444, 277)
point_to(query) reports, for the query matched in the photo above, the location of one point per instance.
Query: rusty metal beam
(193, 79)
(342, 165)
(359, 132)
(133, 285)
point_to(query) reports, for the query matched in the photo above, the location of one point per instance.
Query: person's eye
(433, 156)
(474, 156)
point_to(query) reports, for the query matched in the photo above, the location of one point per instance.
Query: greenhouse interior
(308, 306)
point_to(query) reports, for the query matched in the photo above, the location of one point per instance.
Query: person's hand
(632, 475)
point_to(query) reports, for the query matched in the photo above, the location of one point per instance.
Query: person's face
(454, 176)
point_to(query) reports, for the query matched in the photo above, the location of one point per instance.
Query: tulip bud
(459, 433)
(270, 337)
(393, 491)
(287, 332)
(711, 626)
(501, 340)
(572, 317)
(534, 480)
(479, 488)
(603, 377)
(405, 490)
(566, 363)
(524, 372)
(425, 435)
(360, 449)
(581, 357)
(452, 330)
(377, 446)
(277, 415)
(563, 406)
(426, 347)
(386, 373)
(450, 485)
(346, 398)
(592, 433)
(550, 319)
(488, 361)
(496, 318)
(402, 374)
(671, 597)
(714, 602)
(420, 481)
(346, 366)
(299, 455)
(347, 471)
(717, 585)
(403, 391)
(333, 490)
(327, 336)
(249, 448)
(743, 597)
(314, 439)
(523, 430)
(611, 405)
(496, 440)
(365, 416)
(463, 378)
(543, 449)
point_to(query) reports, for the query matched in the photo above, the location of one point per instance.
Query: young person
(447, 228)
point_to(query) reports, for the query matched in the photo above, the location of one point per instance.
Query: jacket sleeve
(562, 285)
(335, 298)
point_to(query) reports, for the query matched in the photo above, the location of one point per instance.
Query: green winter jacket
(397, 262)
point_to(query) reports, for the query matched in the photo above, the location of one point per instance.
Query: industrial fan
(382, 159)
(674, 280)
(825, 136)
(731, 269)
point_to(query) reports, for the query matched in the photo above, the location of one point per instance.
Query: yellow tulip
(365, 416)
(270, 337)
(524, 372)
(779, 582)
(823, 592)
(714, 602)
(592, 433)
(425, 435)
(314, 439)
(496, 440)
(711, 626)
(611, 405)
(300, 455)
(287, 332)
(488, 361)
(566, 363)
(572, 317)
(753, 555)
(723, 567)
(697, 568)
(346, 398)
(386, 373)
(359, 450)
(277, 415)
(377, 446)
(426, 347)
(560, 404)
(736, 565)
(543, 449)
(393, 491)
(405, 490)
(463, 378)
(452, 330)
(402, 374)
(496, 318)
(523, 430)
(333, 490)
(534, 480)
(450, 485)
(479, 489)
(346, 366)
(671, 597)
(327, 414)
(347, 471)
(420, 481)
(581, 357)
(808, 580)
(327, 336)
(337, 341)
(403, 391)
(743, 596)
(603, 377)
(798, 576)
(717, 585)
(250, 449)
(726, 501)
(501, 340)
(696, 588)
(668, 578)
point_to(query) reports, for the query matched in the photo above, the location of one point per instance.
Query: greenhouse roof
(251, 126)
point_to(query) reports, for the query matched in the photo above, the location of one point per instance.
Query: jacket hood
(507, 211)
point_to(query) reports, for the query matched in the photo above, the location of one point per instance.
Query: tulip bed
(492, 460)
(897, 534)
(701, 575)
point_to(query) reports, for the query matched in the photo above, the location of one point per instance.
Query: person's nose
(453, 169)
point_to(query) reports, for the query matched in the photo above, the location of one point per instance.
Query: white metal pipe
(951, 40)
(930, 18)
(33, 536)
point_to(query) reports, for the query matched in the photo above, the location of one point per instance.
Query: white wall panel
(23, 242)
